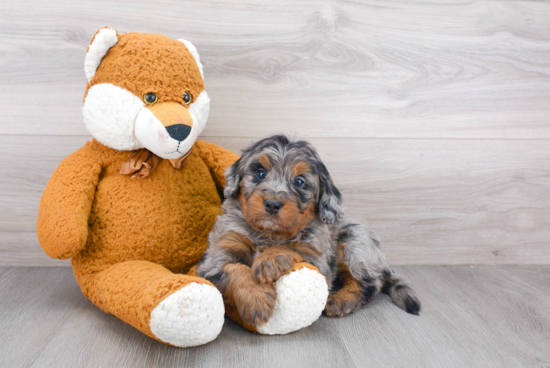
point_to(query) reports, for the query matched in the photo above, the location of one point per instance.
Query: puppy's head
(281, 186)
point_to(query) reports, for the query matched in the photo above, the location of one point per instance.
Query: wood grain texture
(34, 303)
(25, 175)
(422, 69)
(433, 116)
(489, 316)
(472, 317)
(430, 201)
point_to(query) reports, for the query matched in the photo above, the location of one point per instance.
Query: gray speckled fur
(360, 250)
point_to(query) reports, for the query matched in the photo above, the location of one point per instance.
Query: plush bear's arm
(62, 226)
(217, 159)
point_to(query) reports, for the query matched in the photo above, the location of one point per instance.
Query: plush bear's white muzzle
(120, 120)
(153, 135)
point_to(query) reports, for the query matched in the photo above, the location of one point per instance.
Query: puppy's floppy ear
(232, 179)
(330, 199)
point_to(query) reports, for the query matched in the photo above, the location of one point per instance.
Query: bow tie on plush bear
(143, 162)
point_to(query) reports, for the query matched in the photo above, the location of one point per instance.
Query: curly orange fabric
(158, 64)
(131, 241)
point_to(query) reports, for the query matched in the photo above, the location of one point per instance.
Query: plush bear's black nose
(179, 131)
(272, 206)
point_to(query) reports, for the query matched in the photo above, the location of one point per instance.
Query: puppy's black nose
(179, 131)
(272, 206)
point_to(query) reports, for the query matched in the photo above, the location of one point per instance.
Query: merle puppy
(282, 208)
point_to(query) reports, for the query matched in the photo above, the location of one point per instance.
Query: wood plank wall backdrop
(433, 116)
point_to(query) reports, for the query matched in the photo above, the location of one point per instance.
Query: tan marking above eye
(265, 161)
(300, 168)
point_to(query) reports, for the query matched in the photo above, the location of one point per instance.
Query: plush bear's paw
(191, 316)
(301, 297)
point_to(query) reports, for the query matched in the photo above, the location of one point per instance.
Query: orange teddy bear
(133, 207)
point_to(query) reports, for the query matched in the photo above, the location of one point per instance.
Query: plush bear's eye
(187, 98)
(150, 98)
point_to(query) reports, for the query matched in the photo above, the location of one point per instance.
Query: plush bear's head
(144, 91)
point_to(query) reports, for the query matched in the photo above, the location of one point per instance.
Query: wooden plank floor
(494, 316)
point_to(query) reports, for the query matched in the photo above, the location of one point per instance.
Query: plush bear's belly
(164, 218)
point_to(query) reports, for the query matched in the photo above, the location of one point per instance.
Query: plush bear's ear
(193, 50)
(103, 40)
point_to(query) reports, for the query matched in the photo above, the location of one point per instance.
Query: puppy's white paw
(301, 298)
(191, 316)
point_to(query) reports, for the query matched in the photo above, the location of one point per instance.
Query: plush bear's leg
(176, 309)
(301, 297)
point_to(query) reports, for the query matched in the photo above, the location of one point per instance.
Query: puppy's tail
(401, 293)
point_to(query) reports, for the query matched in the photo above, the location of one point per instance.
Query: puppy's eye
(261, 174)
(187, 98)
(299, 183)
(150, 98)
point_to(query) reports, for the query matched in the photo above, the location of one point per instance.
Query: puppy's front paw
(342, 303)
(267, 268)
(256, 304)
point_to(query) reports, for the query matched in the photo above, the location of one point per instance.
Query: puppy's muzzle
(273, 206)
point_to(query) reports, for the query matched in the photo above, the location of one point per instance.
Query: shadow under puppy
(282, 208)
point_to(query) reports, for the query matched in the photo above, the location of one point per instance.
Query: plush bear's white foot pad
(191, 316)
(301, 298)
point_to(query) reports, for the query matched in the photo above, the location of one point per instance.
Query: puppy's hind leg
(360, 273)
(360, 251)
(350, 295)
